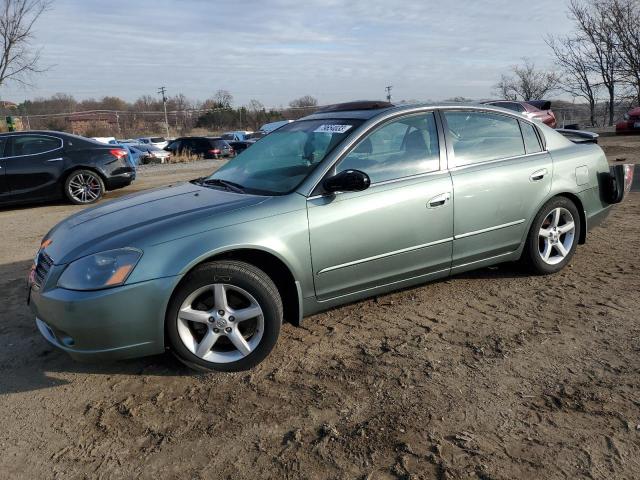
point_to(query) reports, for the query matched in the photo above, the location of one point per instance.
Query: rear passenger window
(482, 136)
(531, 141)
(34, 144)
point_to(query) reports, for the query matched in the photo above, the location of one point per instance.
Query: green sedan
(353, 201)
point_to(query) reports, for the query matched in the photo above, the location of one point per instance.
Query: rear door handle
(439, 200)
(538, 175)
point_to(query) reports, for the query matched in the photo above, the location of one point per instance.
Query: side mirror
(347, 181)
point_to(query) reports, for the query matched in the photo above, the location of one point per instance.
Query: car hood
(146, 218)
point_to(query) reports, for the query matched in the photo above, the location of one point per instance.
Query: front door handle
(439, 200)
(538, 175)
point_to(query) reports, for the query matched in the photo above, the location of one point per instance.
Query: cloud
(280, 49)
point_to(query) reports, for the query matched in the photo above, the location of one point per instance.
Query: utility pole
(162, 91)
(27, 114)
(388, 89)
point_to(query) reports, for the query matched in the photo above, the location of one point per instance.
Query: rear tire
(225, 316)
(84, 187)
(553, 237)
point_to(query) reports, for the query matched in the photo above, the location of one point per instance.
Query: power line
(388, 89)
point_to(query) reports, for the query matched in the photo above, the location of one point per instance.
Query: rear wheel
(225, 316)
(553, 237)
(83, 187)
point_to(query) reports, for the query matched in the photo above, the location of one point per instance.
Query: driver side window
(402, 148)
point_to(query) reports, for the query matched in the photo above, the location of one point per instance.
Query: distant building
(6, 105)
(87, 122)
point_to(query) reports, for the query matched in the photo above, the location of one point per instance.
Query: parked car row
(205, 147)
(541, 110)
(140, 152)
(534, 109)
(630, 123)
(237, 136)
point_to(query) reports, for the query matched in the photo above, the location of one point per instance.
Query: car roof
(41, 132)
(53, 133)
(371, 113)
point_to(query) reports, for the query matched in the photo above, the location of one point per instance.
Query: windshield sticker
(332, 128)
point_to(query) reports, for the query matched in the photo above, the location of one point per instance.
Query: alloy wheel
(220, 323)
(556, 236)
(85, 188)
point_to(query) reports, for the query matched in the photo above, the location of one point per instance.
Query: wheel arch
(67, 173)
(274, 267)
(583, 218)
(579, 206)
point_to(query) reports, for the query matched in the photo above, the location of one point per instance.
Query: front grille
(45, 262)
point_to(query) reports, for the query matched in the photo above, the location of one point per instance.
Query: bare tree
(305, 101)
(178, 102)
(301, 107)
(526, 82)
(624, 17)
(147, 103)
(579, 73)
(595, 29)
(223, 98)
(255, 113)
(19, 60)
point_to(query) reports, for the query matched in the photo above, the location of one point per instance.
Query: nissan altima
(353, 201)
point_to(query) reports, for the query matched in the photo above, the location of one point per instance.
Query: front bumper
(116, 323)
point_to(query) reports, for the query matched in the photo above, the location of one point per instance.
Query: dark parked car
(205, 147)
(534, 109)
(43, 165)
(240, 147)
(630, 123)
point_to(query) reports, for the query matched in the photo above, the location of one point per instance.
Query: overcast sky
(277, 50)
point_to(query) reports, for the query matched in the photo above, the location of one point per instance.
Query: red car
(534, 109)
(631, 122)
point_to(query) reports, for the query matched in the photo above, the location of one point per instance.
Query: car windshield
(279, 162)
(157, 139)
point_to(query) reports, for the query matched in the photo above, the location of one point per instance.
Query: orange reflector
(119, 275)
(46, 243)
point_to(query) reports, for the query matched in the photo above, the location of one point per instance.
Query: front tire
(84, 187)
(225, 316)
(553, 237)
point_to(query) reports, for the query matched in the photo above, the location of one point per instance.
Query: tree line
(598, 60)
(146, 114)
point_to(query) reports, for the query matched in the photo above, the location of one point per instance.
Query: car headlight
(100, 270)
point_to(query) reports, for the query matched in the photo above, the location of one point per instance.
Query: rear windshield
(157, 139)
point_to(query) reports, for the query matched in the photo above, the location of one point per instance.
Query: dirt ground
(488, 375)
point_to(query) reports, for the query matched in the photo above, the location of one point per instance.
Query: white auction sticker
(332, 128)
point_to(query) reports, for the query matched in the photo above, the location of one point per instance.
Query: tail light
(628, 176)
(118, 153)
(619, 182)
(215, 151)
